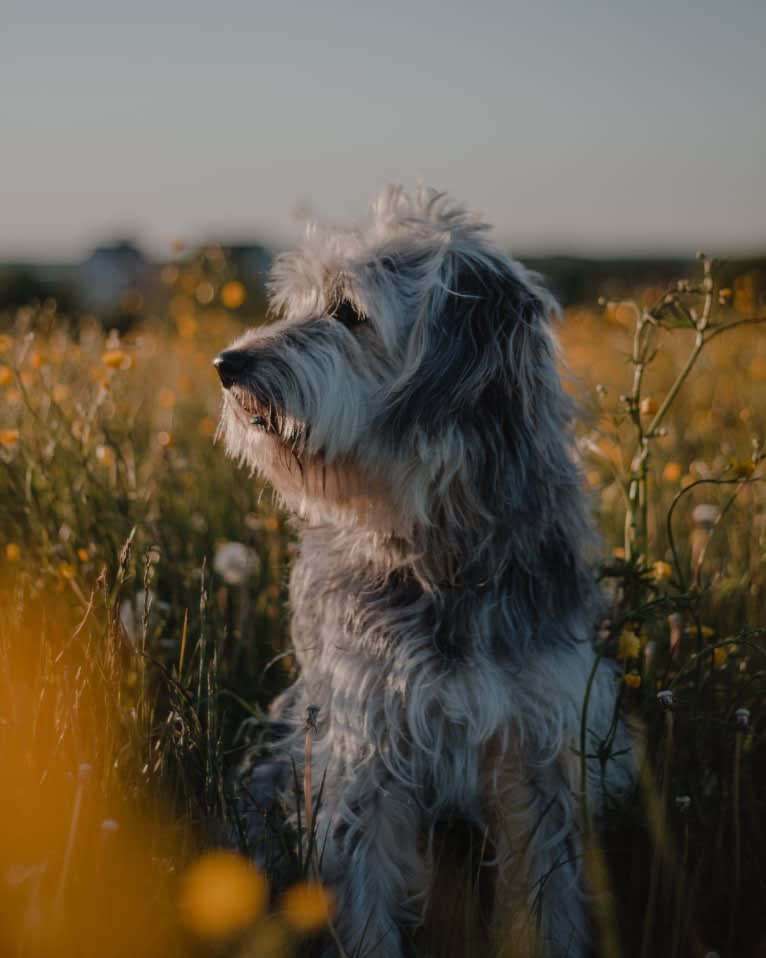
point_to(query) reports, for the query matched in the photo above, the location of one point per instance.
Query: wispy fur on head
(406, 404)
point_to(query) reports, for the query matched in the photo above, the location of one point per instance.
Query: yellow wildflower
(672, 472)
(632, 680)
(629, 645)
(232, 294)
(187, 326)
(105, 456)
(307, 906)
(12, 552)
(204, 293)
(6, 375)
(6, 342)
(719, 656)
(9, 438)
(83, 555)
(222, 893)
(744, 468)
(166, 398)
(116, 359)
(206, 427)
(662, 571)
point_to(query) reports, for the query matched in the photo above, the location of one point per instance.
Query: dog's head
(409, 381)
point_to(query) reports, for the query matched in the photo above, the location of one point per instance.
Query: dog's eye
(347, 314)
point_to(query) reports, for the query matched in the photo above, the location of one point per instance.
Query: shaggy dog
(406, 406)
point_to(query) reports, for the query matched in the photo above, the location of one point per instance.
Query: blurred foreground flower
(221, 895)
(307, 907)
(9, 438)
(12, 552)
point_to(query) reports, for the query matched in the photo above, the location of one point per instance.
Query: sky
(576, 125)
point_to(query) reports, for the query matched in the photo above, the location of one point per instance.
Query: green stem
(659, 839)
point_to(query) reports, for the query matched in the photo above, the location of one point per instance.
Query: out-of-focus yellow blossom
(632, 680)
(6, 376)
(204, 293)
(232, 294)
(83, 555)
(116, 359)
(307, 906)
(36, 359)
(105, 456)
(206, 427)
(9, 438)
(65, 570)
(629, 645)
(221, 894)
(661, 571)
(6, 342)
(166, 398)
(744, 468)
(704, 630)
(12, 552)
(720, 655)
(672, 472)
(187, 326)
(185, 385)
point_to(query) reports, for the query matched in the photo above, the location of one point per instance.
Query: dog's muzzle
(230, 366)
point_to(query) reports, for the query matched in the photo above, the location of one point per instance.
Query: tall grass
(142, 617)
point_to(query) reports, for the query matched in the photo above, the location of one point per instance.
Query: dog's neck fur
(419, 572)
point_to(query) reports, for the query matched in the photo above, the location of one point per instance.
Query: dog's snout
(230, 365)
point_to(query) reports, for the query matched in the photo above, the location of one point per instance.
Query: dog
(406, 406)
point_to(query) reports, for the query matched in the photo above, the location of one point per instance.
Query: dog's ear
(482, 338)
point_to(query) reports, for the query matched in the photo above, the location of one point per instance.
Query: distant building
(112, 271)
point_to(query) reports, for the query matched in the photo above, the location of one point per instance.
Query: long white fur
(441, 605)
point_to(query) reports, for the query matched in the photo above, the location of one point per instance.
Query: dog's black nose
(230, 365)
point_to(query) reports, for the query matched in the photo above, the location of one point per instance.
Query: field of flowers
(142, 618)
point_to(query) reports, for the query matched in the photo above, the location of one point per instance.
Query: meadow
(142, 619)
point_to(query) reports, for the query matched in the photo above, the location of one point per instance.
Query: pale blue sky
(591, 126)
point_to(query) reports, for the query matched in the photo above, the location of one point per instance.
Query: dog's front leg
(539, 907)
(371, 854)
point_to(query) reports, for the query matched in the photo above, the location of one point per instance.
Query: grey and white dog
(406, 406)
